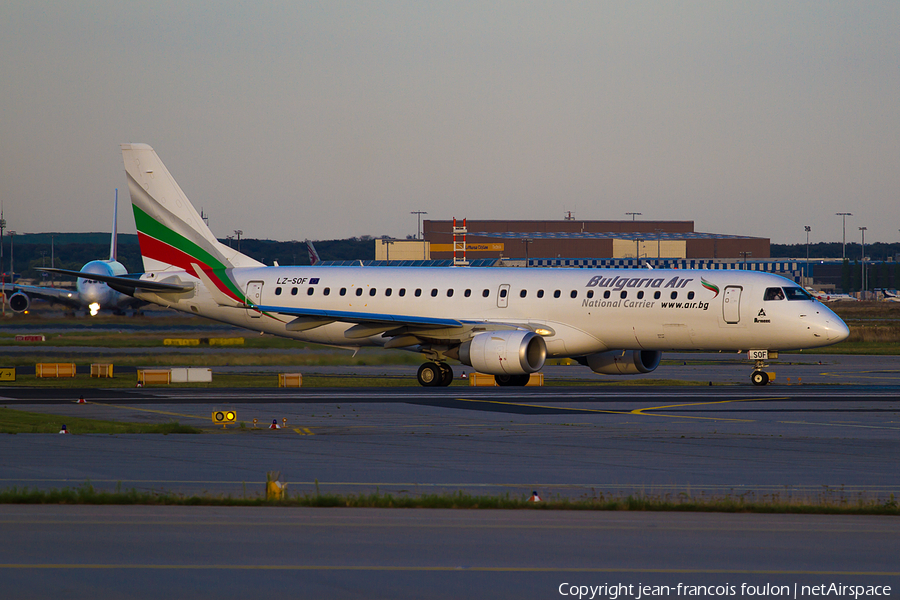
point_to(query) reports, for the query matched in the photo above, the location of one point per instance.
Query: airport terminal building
(520, 240)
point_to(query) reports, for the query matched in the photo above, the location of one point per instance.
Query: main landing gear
(512, 380)
(435, 374)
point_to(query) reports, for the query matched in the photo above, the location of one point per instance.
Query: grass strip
(87, 494)
(18, 421)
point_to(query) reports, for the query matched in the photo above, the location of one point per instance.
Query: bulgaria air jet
(502, 321)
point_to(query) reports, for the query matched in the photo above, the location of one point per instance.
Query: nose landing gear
(759, 376)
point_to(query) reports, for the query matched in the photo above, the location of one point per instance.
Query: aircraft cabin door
(731, 304)
(503, 296)
(254, 295)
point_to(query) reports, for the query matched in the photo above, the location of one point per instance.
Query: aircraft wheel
(446, 374)
(759, 378)
(503, 379)
(429, 374)
(512, 380)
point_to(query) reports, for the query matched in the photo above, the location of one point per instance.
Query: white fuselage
(577, 311)
(93, 294)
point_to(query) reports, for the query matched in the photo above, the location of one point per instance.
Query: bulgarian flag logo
(710, 286)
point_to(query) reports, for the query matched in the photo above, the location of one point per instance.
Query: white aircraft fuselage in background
(502, 321)
(90, 294)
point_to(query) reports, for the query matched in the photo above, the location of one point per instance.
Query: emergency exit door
(503, 296)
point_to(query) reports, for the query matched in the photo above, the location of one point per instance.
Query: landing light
(544, 331)
(95, 308)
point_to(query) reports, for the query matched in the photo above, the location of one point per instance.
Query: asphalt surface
(201, 552)
(567, 441)
(838, 440)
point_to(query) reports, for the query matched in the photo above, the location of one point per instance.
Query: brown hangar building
(518, 240)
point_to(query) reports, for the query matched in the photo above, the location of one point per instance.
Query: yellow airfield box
(290, 380)
(237, 341)
(101, 370)
(148, 376)
(482, 379)
(224, 417)
(181, 342)
(54, 370)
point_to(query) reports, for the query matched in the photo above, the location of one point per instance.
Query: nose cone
(95, 293)
(836, 330)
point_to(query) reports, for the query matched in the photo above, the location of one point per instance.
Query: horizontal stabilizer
(221, 298)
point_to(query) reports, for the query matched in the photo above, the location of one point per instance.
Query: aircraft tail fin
(114, 241)
(171, 233)
(313, 255)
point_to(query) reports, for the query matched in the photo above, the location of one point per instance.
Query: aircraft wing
(126, 284)
(64, 296)
(406, 330)
(345, 316)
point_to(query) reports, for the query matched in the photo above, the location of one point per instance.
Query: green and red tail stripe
(160, 243)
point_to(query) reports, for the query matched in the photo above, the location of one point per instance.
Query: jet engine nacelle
(630, 362)
(19, 302)
(511, 352)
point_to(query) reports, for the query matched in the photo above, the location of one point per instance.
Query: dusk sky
(321, 120)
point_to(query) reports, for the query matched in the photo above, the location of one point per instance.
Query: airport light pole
(807, 228)
(419, 213)
(843, 217)
(633, 215)
(12, 271)
(745, 254)
(863, 264)
(238, 233)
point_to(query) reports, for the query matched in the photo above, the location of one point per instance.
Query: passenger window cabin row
(388, 292)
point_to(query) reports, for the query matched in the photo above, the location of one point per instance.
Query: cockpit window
(795, 293)
(791, 293)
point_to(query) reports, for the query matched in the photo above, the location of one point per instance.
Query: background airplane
(313, 255)
(828, 297)
(89, 294)
(889, 296)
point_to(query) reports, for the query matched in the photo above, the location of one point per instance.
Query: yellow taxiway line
(637, 411)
